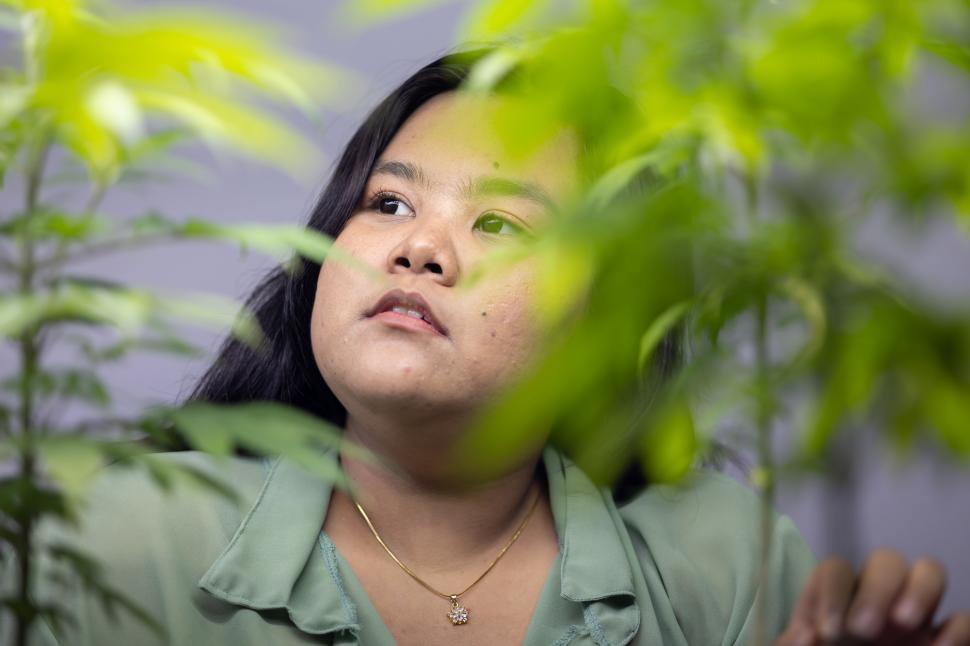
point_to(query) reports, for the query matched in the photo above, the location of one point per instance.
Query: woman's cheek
(338, 279)
(509, 327)
(323, 336)
(333, 311)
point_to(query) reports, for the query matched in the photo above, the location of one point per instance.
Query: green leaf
(669, 446)
(947, 409)
(657, 330)
(809, 301)
(65, 383)
(565, 273)
(55, 225)
(164, 473)
(198, 476)
(5, 416)
(72, 461)
(128, 310)
(100, 77)
(276, 240)
(492, 19)
(265, 428)
(213, 312)
(152, 159)
(953, 53)
(19, 499)
(113, 106)
(167, 344)
(487, 73)
(91, 574)
(620, 178)
(14, 98)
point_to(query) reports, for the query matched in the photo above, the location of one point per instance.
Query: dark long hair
(284, 370)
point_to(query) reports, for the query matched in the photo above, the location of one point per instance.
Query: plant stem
(97, 195)
(94, 249)
(55, 261)
(29, 362)
(766, 466)
(764, 444)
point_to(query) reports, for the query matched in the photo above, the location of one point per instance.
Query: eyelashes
(490, 222)
(374, 203)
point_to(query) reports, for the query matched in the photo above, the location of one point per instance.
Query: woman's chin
(407, 388)
(393, 366)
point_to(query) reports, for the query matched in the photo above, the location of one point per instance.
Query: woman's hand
(888, 603)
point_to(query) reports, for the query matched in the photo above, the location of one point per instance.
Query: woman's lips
(405, 322)
(407, 305)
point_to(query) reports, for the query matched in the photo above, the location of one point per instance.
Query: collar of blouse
(278, 558)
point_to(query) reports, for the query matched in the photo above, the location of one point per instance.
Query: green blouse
(676, 565)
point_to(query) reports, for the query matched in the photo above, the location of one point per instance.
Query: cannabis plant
(738, 148)
(94, 98)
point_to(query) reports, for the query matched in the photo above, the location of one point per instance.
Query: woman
(420, 554)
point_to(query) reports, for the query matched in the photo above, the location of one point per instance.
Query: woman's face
(441, 196)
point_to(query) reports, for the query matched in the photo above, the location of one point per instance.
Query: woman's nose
(427, 248)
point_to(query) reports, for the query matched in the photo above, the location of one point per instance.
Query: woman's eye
(491, 223)
(390, 205)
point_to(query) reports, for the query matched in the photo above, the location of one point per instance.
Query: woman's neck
(423, 512)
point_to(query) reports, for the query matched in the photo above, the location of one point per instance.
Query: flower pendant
(458, 613)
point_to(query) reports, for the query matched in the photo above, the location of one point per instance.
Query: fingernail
(907, 613)
(831, 627)
(864, 624)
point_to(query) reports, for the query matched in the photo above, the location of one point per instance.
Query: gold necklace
(458, 613)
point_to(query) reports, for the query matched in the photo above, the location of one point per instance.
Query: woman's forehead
(451, 139)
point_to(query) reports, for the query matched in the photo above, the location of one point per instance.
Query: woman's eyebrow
(490, 185)
(404, 170)
(484, 185)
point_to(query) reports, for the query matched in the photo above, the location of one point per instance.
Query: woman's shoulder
(179, 472)
(178, 481)
(185, 502)
(707, 513)
(704, 502)
(151, 527)
(701, 538)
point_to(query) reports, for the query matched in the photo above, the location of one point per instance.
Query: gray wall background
(919, 506)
